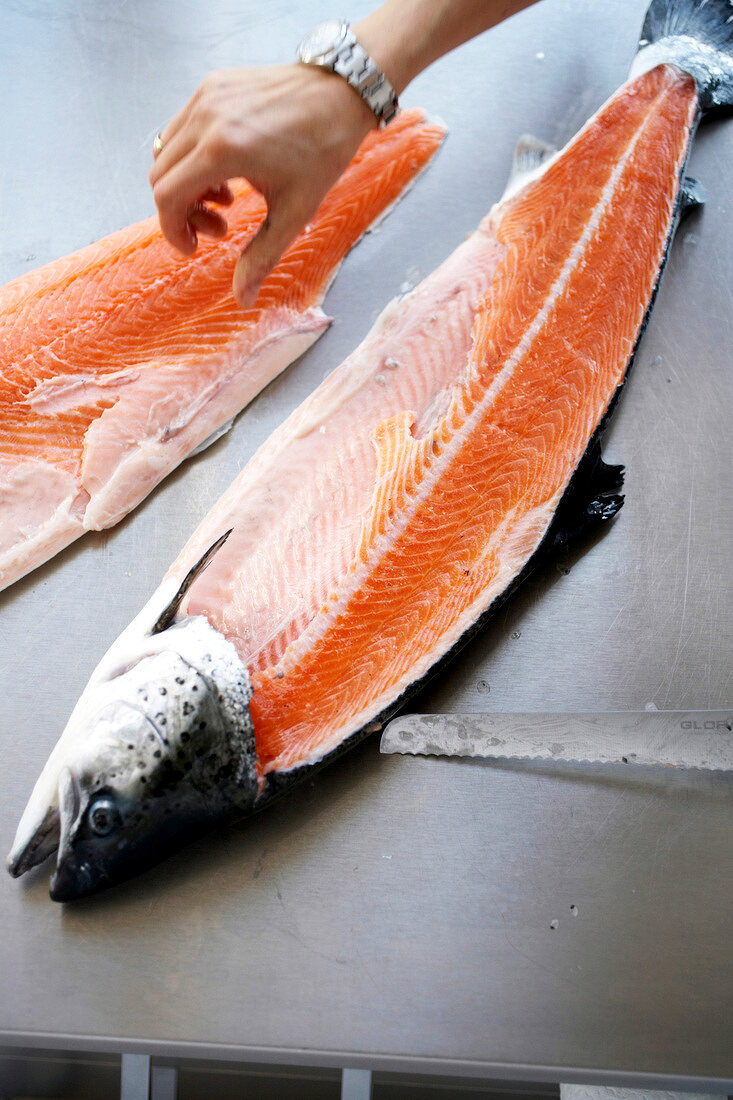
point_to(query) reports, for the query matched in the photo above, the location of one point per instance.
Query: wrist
(337, 111)
(400, 36)
(373, 34)
(334, 47)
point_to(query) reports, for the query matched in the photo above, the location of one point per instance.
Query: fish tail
(697, 36)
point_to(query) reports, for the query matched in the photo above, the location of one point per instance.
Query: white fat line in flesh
(325, 619)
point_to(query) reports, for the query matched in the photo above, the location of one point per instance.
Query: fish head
(159, 747)
(162, 761)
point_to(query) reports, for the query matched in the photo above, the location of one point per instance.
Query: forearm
(405, 36)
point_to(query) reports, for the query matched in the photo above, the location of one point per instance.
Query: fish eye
(102, 816)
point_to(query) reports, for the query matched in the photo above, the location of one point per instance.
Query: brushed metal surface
(397, 912)
(677, 738)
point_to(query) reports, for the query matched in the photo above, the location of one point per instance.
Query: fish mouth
(38, 848)
(54, 832)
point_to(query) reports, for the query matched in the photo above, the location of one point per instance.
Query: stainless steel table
(539, 922)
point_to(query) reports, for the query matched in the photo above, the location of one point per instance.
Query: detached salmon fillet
(120, 360)
(386, 516)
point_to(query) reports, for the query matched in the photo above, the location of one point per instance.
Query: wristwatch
(333, 46)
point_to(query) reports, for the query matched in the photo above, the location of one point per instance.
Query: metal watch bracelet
(334, 46)
(356, 66)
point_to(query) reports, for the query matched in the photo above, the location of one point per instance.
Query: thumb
(285, 219)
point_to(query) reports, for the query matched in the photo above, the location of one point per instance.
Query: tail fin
(696, 35)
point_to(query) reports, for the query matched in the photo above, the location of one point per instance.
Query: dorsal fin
(168, 613)
(530, 154)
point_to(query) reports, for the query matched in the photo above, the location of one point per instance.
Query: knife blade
(683, 739)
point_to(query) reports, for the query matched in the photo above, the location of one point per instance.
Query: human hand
(290, 131)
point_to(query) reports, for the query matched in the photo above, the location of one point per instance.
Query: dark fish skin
(93, 865)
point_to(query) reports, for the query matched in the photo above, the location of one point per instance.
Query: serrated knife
(683, 739)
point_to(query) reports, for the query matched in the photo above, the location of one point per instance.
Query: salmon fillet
(391, 510)
(118, 361)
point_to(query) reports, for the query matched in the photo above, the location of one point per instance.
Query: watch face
(321, 41)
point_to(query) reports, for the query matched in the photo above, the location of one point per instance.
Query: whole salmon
(381, 523)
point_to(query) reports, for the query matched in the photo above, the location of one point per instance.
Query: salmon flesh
(119, 361)
(380, 524)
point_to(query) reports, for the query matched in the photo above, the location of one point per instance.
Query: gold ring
(157, 145)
